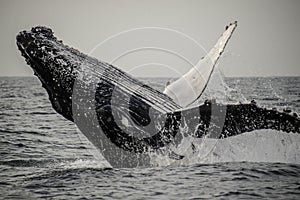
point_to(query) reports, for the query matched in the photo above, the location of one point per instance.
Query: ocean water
(42, 155)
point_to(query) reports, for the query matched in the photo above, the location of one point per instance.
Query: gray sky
(266, 42)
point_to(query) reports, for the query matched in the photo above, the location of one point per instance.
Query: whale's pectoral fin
(191, 85)
(243, 118)
(248, 117)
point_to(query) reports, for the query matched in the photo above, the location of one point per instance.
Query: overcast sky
(266, 42)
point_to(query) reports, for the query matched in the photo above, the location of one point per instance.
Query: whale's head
(48, 58)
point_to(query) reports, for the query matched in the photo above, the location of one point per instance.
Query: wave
(70, 163)
(18, 145)
(252, 170)
(40, 94)
(41, 113)
(21, 132)
(270, 99)
(256, 146)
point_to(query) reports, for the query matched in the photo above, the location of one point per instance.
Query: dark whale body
(102, 100)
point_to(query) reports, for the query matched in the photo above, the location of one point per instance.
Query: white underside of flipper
(187, 89)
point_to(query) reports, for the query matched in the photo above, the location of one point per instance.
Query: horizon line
(258, 76)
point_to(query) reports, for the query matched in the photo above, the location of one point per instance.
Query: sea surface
(42, 155)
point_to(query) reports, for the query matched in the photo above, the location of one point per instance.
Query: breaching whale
(127, 120)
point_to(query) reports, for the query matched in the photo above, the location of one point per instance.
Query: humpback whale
(129, 121)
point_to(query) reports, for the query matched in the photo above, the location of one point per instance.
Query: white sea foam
(256, 146)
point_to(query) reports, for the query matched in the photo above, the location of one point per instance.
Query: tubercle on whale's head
(48, 58)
